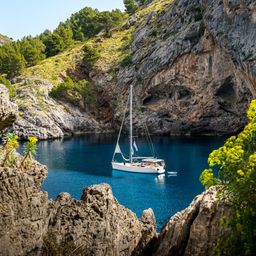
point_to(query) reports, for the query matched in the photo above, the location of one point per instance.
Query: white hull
(127, 167)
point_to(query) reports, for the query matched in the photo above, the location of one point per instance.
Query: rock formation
(8, 110)
(96, 225)
(43, 117)
(195, 230)
(4, 39)
(194, 67)
(24, 210)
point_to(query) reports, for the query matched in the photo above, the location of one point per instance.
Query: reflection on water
(160, 178)
(75, 163)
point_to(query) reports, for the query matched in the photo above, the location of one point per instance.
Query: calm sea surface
(78, 162)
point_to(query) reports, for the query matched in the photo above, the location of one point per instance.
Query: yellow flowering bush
(10, 144)
(30, 151)
(235, 165)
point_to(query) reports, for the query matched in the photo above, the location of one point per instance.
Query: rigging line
(147, 133)
(152, 149)
(120, 130)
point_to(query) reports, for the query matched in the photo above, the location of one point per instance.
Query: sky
(20, 18)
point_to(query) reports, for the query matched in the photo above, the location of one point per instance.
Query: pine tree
(11, 60)
(33, 50)
(130, 6)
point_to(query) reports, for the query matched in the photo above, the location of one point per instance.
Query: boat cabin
(152, 162)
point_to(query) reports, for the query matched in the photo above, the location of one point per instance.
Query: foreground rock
(23, 210)
(31, 224)
(195, 230)
(8, 110)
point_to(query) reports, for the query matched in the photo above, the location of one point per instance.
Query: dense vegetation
(236, 166)
(29, 51)
(81, 93)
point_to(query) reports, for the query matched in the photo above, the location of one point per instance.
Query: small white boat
(134, 163)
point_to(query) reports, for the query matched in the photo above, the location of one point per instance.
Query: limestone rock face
(8, 110)
(99, 223)
(23, 210)
(194, 67)
(95, 225)
(43, 117)
(195, 230)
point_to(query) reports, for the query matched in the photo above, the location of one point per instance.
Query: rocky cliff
(194, 67)
(192, 64)
(43, 117)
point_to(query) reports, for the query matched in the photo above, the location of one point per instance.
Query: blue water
(78, 162)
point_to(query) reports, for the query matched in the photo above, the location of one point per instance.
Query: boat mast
(131, 149)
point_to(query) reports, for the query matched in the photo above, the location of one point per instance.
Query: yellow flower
(33, 139)
(240, 172)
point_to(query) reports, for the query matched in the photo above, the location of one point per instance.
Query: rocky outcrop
(194, 67)
(30, 223)
(99, 223)
(4, 40)
(195, 230)
(43, 117)
(23, 211)
(8, 110)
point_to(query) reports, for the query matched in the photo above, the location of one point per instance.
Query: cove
(78, 162)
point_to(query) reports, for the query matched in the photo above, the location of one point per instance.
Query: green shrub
(82, 93)
(91, 55)
(127, 61)
(131, 6)
(7, 83)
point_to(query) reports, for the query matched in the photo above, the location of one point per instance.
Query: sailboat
(138, 164)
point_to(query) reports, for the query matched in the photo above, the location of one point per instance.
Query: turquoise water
(82, 161)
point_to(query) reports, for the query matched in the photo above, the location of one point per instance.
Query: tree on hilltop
(131, 6)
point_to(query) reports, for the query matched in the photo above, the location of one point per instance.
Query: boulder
(8, 110)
